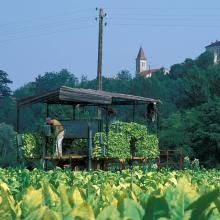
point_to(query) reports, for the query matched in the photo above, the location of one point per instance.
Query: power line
(43, 18)
(121, 15)
(165, 25)
(43, 26)
(160, 18)
(164, 8)
(47, 34)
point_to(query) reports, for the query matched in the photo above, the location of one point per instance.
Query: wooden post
(157, 121)
(133, 113)
(17, 129)
(131, 171)
(102, 145)
(47, 109)
(181, 159)
(106, 127)
(158, 163)
(74, 112)
(90, 147)
(44, 154)
(100, 44)
(45, 165)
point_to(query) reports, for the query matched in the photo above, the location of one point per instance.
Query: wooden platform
(63, 157)
(167, 158)
(76, 156)
(66, 157)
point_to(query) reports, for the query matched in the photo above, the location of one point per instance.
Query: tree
(7, 145)
(196, 131)
(205, 60)
(193, 89)
(173, 134)
(176, 71)
(7, 103)
(205, 132)
(8, 110)
(84, 81)
(53, 80)
(4, 81)
(213, 80)
(124, 75)
(26, 90)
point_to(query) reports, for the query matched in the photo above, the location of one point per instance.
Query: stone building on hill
(143, 68)
(215, 49)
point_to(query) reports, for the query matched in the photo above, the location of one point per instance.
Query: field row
(103, 195)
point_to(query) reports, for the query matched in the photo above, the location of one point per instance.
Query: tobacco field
(63, 194)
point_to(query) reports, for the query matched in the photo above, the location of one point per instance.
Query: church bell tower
(141, 61)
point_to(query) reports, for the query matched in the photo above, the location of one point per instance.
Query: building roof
(214, 44)
(141, 55)
(149, 72)
(73, 96)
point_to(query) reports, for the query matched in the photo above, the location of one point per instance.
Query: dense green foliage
(7, 145)
(103, 195)
(117, 143)
(188, 113)
(4, 81)
(201, 129)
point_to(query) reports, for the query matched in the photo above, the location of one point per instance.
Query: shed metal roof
(73, 96)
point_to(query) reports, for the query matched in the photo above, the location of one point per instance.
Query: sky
(43, 36)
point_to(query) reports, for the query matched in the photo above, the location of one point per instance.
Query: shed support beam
(17, 129)
(74, 112)
(133, 112)
(90, 148)
(46, 143)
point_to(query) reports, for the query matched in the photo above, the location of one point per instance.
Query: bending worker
(111, 115)
(59, 134)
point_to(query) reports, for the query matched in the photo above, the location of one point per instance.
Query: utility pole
(100, 45)
(102, 15)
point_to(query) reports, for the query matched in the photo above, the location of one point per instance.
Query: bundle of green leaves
(117, 142)
(32, 144)
(77, 146)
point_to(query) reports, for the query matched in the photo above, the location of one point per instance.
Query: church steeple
(141, 61)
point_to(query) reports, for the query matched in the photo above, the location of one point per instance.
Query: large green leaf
(217, 204)
(201, 205)
(130, 209)
(37, 214)
(83, 211)
(179, 198)
(51, 215)
(156, 207)
(50, 197)
(7, 203)
(76, 198)
(109, 213)
(64, 206)
(31, 201)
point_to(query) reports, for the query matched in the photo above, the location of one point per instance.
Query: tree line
(189, 113)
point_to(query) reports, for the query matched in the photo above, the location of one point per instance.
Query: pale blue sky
(48, 35)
